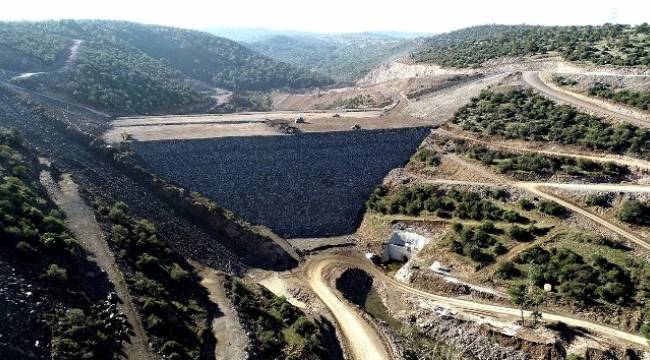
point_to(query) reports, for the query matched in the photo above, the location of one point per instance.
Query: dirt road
(533, 79)
(80, 219)
(74, 51)
(360, 335)
(626, 188)
(363, 340)
(534, 188)
(617, 159)
(232, 340)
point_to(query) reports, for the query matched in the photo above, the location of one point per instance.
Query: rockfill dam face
(304, 185)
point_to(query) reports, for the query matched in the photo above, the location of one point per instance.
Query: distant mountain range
(343, 57)
(249, 35)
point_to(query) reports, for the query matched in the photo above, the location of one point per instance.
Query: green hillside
(622, 45)
(126, 67)
(344, 57)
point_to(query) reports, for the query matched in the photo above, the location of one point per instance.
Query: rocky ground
(305, 185)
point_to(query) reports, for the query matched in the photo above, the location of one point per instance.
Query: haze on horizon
(337, 15)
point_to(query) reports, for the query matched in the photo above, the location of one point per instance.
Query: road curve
(364, 341)
(315, 269)
(533, 79)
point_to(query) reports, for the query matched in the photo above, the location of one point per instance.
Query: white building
(403, 244)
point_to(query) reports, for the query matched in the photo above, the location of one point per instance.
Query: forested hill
(125, 67)
(609, 44)
(344, 57)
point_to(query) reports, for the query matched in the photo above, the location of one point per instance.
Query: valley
(435, 203)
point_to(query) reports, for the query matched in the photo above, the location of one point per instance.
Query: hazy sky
(336, 15)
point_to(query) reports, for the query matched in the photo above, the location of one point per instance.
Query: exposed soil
(232, 340)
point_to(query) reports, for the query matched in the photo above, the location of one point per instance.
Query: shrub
(525, 115)
(551, 208)
(519, 233)
(178, 274)
(53, 224)
(507, 271)
(25, 250)
(56, 274)
(526, 204)
(602, 200)
(427, 157)
(635, 212)
(535, 255)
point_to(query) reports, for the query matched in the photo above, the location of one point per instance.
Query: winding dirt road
(365, 340)
(533, 79)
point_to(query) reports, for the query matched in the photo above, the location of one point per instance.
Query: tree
(535, 298)
(518, 295)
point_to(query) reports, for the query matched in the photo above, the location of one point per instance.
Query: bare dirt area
(80, 219)
(440, 106)
(250, 124)
(334, 99)
(230, 336)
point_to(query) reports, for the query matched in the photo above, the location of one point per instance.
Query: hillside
(609, 44)
(124, 67)
(344, 57)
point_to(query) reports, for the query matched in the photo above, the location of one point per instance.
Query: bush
(178, 274)
(526, 204)
(427, 157)
(635, 212)
(576, 279)
(629, 97)
(25, 250)
(56, 274)
(472, 46)
(520, 234)
(602, 200)
(535, 255)
(507, 271)
(551, 208)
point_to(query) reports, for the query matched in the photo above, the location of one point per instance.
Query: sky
(430, 16)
